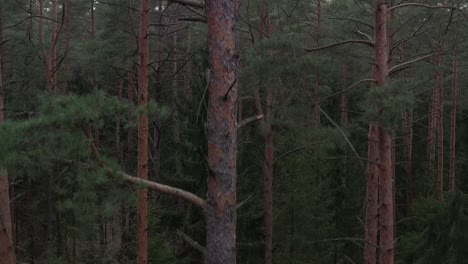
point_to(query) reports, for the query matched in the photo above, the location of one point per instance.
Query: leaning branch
(351, 146)
(192, 242)
(249, 120)
(192, 3)
(404, 64)
(417, 5)
(351, 41)
(161, 188)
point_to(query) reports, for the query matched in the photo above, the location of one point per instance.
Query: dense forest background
(306, 107)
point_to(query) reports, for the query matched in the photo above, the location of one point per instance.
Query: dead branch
(354, 41)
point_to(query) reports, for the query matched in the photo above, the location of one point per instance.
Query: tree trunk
(440, 131)
(175, 114)
(268, 193)
(67, 45)
(130, 143)
(372, 194)
(142, 168)
(118, 128)
(267, 133)
(7, 251)
(384, 140)
(222, 132)
(453, 124)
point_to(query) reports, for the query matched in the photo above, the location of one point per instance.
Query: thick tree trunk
(222, 132)
(142, 168)
(385, 141)
(453, 124)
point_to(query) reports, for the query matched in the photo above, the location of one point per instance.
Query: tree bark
(385, 141)
(267, 133)
(453, 124)
(222, 17)
(372, 195)
(7, 251)
(440, 130)
(142, 168)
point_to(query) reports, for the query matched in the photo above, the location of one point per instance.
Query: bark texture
(142, 168)
(453, 124)
(7, 251)
(222, 132)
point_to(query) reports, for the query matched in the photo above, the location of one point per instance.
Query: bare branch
(354, 41)
(192, 3)
(417, 5)
(161, 188)
(164, 189)
(193, 19)
(406, 63)
(343, 134)
(249, 120)
(192, 242)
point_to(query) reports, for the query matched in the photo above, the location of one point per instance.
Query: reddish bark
(453, 124)
(384, 141)
(130, 143)
(222, 132)
(372, 182)
(7, 251)
(440, 131)
(142, 168)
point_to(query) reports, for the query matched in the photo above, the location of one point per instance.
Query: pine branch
(249, 120)
(164, 189)
(351, 41)
(406, 63)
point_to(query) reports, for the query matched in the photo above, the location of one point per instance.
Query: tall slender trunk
(130, 139)
(431, 130)
(344, 124)
(372, 196)
(385, 140)
(67, 44)
(7, 251)
(220, 209)
(142, 168)
(453, 123)
(408, 142)
(318, 93)
(175, 113)
(440, 130)
(267, 133)
(94, 80)
(118, 127)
